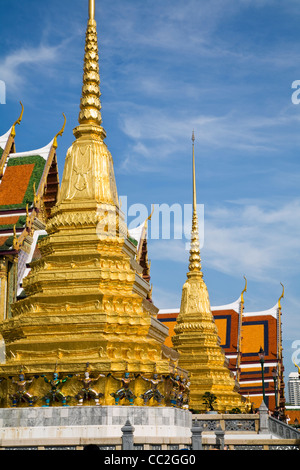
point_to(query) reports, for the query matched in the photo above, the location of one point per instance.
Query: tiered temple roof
(29, 184)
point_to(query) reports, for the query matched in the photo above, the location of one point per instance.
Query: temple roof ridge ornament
(11, 131)
(244, 291)
(281, 297)
(18, 121)
(60, 133)
(7, 142)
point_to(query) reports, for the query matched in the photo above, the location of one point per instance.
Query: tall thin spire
(196, 336)
(194, 176)
(91, 9)
(195, 260)
(90, 105)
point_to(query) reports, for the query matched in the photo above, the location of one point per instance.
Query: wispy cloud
(260, 242)
(156, 135)
(14, 66)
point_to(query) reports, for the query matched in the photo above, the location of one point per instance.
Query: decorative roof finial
(18, 121)
(244, 290)
(281, 297)
(60, 133)
(195, 260)
(150, 216)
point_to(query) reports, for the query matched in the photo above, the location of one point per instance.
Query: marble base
(78, 426)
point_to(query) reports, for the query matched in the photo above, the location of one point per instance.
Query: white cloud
(14, 66)
(262, 243)
(253, 240)
(157, 135)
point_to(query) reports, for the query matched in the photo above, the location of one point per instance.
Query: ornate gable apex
(28, 190)
(7, 145)
(7, 142)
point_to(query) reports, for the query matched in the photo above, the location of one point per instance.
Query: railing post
(127, 436)
(196, 436)
(263, 419)
(220, 434)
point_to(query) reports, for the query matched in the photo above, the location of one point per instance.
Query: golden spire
(195, 260)
(90, 105)
(88, 172)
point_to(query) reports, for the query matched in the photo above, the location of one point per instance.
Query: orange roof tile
(3, 240)
(15, 183)
(10, 220)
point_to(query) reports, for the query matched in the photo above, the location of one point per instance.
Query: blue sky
(224, 68)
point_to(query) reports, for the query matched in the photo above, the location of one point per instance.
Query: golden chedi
(196, 336)
(86, 299)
